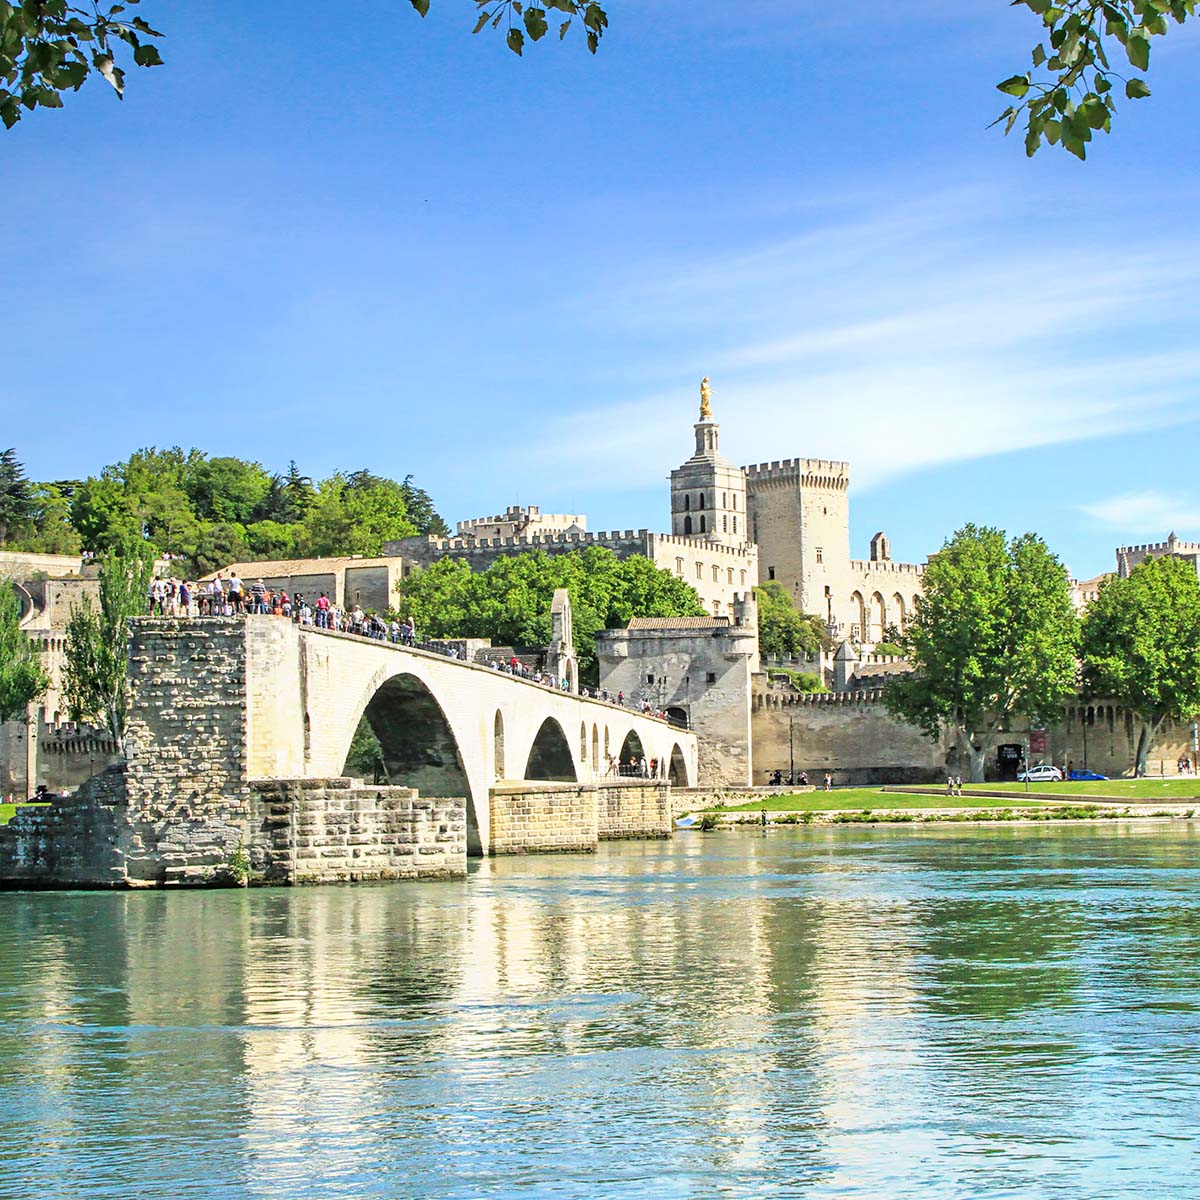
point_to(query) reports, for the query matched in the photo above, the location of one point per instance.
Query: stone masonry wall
(186, 776)
(633, 811)
(338, 831)
(531, 818)
(75, 841)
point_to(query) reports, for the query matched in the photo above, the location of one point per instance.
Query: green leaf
(535, 23)
(1138, 49)
(562, 29)
(516, 41)
(1053, 130)
(1102, 83)
(147, 56)
(422, 6)
(484, 18)
(1017, 86)
(1136, 89)
(1039, 55)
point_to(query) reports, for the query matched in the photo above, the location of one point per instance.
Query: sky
(359, 239)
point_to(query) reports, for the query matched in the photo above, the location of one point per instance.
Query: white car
(1042, 773)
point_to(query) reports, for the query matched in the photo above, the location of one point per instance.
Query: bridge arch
(550, 755)
(632, 748)
(418, 744)
(677, 774)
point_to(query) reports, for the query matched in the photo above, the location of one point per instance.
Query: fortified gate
(238, 737)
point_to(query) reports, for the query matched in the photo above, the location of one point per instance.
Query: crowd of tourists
(221, 597)
(230, 596)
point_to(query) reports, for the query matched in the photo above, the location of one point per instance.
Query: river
(830, 1012)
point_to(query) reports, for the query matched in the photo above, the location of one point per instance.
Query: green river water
(955, 1012)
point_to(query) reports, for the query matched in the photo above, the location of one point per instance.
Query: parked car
(1082, 776)
(1042, 773)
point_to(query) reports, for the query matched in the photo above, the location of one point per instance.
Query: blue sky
(375, 241)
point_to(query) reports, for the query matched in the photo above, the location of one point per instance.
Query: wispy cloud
(913, 333)
(1150, 514)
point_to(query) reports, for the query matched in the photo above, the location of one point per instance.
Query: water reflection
(808, 1012)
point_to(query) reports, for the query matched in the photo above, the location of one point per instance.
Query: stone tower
(708, 493)
(800, 518)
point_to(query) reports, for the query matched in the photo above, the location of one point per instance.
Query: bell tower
(708, 493)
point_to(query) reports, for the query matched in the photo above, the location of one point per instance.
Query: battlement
(748, 551)
(886, 567)
(1171, 547)
(812, 472)
(763, 700)
(533, 541)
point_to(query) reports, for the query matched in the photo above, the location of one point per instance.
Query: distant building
(1129, 557)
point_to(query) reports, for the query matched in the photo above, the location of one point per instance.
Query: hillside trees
(213, 511)
(510, 601)
(994, 636)
(16, 495)
(1141, 645)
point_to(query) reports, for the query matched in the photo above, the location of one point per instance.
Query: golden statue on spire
(705, 400)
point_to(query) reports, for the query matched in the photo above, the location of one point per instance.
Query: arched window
(702, 529)
(701, 499)
(687, 502)
(699, 570)
(687, 524)
(730, 579)
(724, 524)
(679, 566)
(716, 573)
(735, 524)
(583, 743)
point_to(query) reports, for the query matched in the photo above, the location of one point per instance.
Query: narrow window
(702, 528)
(820, 554)
(724, 524)
(679, 566)
(770, 572)
(649, 678)
(716, 573)
(735, 524)
(730, 579)
(699, 570)
(701, 499)
(687, 502)
(711, 677)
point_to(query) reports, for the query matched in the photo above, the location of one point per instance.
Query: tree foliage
(97, 641)
(510, 601)
(210, 511)
(16, 494)
(1068, 94)
(22, 679)
(1141, 645)
(784, 631)
(48, 47)
(994, 636)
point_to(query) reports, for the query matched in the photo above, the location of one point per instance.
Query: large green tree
(783, 630)
(1141, 645)
(510, 601)
(22, 679)
(96, 652)
(354, 514)
(16, 495)
(49, 47)
(994, 636)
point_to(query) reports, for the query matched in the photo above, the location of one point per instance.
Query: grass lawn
(862, 799)
(1120, 789)
(8, 811)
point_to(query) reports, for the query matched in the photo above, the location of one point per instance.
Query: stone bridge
(446, 727)
(236, 761)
